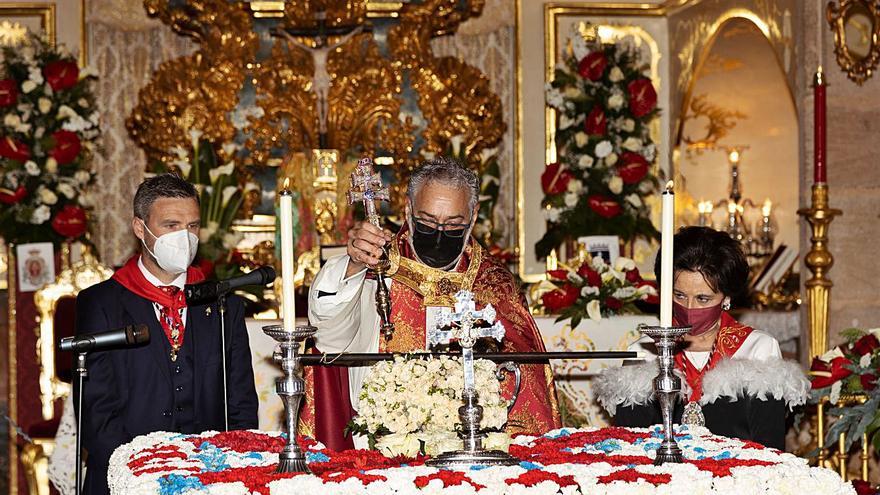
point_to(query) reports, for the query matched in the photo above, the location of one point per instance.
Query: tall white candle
(288, 308)
(667, 230)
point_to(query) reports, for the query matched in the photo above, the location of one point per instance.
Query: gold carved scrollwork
(197, 91)
(303, 14)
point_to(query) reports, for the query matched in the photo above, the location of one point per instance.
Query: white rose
(51, 165)
(594, 311)
(632, 144)
(67, 190)
(634, 200)
(579, 45)
(628, 125)
(575, 186)
(31, 168)
(615, 74)
(40, 215)
(581, 139)
(35, 75)
(87, 199)
(44, 105)
(11, 120)
(585, 161)
(611, 159)
(865, 360)
(572, 92)
(598, 263)
(38, 134)
(395, 444)
(616, 101)
(82, 176)
(589, 290)
(649, 152)
(624, 293)
(615, 185)
(554, 97)
(47, 196)
(571, 199)
(604, 149)
(624, 264)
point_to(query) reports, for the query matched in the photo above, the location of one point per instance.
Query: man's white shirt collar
(179, 282)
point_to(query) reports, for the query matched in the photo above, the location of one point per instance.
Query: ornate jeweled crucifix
(460, 324)
(367, 188)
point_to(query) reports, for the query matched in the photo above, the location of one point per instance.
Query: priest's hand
(365, 243)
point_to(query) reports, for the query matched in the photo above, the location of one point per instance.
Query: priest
(432, 257)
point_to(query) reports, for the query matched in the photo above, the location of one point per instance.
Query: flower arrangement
(410, 406)
(222, 191)
(850, 371)
(596, 289)
(605, 104)
(49, 127)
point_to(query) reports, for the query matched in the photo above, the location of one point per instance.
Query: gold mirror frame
(859, 69)
(72, 279)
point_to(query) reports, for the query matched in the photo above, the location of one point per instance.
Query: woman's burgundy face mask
(701, 320)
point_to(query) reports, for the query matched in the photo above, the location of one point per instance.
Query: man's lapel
(141, 311)
(203, 330)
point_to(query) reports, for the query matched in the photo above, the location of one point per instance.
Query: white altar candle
(667, 230)
(288, 308)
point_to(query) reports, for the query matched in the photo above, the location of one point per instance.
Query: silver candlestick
(667, 386)
(291, 388)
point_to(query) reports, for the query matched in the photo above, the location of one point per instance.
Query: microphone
(205, 292)
(120, 337)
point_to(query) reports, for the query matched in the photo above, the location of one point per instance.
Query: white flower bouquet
(410, 406)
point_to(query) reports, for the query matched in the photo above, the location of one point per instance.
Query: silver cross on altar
(459, 325)
(367, 187)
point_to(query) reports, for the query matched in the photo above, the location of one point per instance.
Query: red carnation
(8, 92)
(591, 276)
(8, 197)
(596, 123)
(642, 97)
(604, 206)
(555, 179)
(825, 374)
(865, 345)
(593, 66)
(70, 221)
(613, 303)
(633, 167)
(61, 75)
(559, 299)
(14, 149)
(67, 147)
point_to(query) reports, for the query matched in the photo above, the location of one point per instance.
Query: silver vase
(667, 387)
(291, 388)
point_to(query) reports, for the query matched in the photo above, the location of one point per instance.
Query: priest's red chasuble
(417, 287)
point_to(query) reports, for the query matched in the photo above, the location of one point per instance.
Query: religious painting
(35, 265)
(544, 32)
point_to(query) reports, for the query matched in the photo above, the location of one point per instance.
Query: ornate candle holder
(666, 387)
(291, 388)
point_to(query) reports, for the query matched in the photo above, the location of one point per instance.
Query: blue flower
(561, 433)
(724, 455)
(213, 458)
(530, 466)
(608, 445)
(478, 467)
(699, 450)
(316, 457)
(175, 484)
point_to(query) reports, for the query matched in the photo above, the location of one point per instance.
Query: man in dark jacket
(175, 382)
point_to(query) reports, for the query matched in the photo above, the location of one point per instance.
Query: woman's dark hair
(713, 254)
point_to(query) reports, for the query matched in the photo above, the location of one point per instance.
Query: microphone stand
(221, 307)
(81, 373)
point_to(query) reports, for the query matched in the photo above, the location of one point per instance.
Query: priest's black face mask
(437, 245)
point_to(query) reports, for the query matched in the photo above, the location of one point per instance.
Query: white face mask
(174, 251)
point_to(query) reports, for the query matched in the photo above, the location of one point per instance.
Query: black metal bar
(355, 359)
